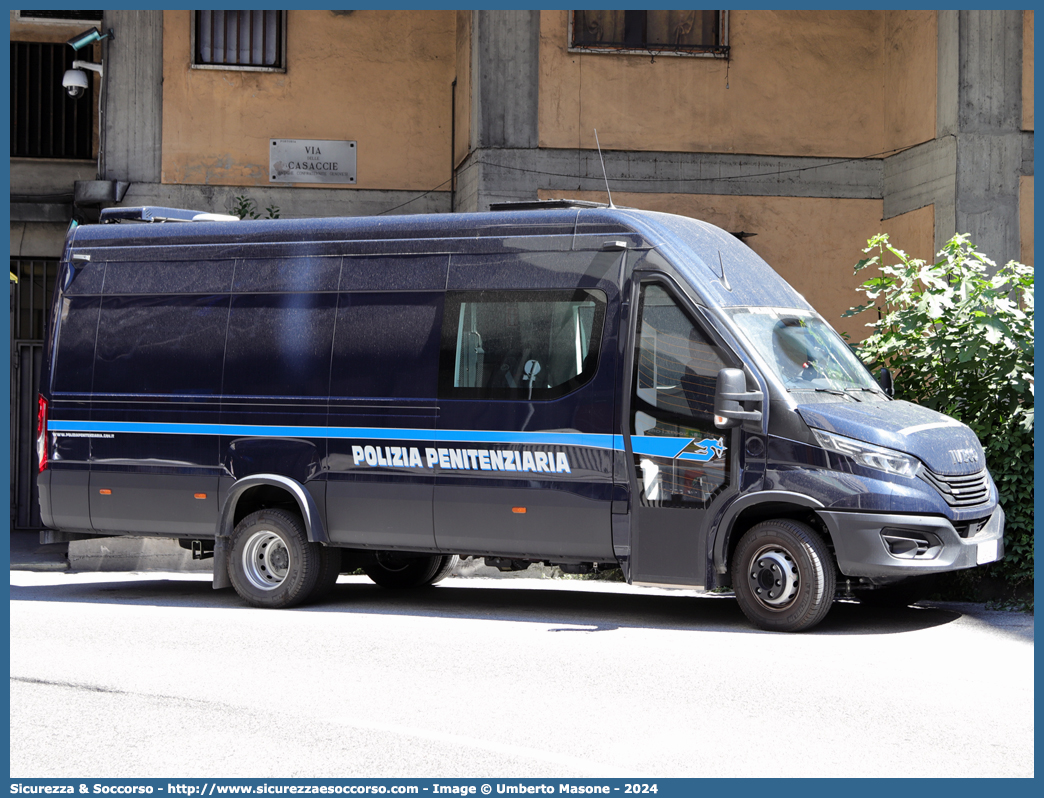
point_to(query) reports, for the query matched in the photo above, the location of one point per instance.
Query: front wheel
(272, 563)
(404, 570)
(783, 576)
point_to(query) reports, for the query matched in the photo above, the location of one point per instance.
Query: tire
(329, 570)
(783, 576)
(899, 594)
(449, 565)
(399, 571)
(271, 563)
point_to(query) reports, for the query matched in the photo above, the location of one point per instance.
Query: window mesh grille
(239, 38)
(679, 31)
(45, 121)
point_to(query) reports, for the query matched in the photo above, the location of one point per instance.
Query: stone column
(132, 123)
(980, 106)
(505, 60)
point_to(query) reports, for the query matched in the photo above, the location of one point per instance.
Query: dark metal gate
(30, 305)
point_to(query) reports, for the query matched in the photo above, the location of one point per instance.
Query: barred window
(239, 40)
(45, 121)
(670, 32)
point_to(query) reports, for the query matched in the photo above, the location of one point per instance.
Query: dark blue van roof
(724, 270)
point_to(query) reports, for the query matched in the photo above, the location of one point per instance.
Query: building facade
(804, 132)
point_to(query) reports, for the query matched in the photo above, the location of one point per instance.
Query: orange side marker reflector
(521, 510)
(105, 492)
(199, 495)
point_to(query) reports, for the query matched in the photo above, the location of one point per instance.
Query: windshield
(804, 352)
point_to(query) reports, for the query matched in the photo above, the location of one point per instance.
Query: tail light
(41, 432)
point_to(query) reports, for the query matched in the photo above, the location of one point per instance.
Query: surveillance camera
(75, 82)
(89, 36)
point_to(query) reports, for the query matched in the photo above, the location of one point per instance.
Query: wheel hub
(390, 561)
(266, 560)
(773, 577)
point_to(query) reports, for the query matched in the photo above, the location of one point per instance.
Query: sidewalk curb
(122, 553)
(137, 554)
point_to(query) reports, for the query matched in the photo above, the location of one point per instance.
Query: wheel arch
(783, 575)
(258, 492)
(747, 511)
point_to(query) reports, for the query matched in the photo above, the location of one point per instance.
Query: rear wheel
(449, 563)
(272, 563)
(783, 576)
(399, 570)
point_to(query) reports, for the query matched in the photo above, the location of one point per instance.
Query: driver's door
(681, 462)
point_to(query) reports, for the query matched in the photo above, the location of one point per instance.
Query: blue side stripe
(655, 446)
(369, 433)
(704, 451)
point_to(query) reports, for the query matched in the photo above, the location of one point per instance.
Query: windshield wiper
(836, 392)
(874, 391)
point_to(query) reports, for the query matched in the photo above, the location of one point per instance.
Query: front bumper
(877, 544)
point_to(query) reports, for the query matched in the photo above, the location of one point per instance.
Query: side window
(681, 457)
(519, 344)
(279, 345)
(677, 366)
(387, 346)
(160, 345)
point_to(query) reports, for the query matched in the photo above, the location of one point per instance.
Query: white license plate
(986, 552)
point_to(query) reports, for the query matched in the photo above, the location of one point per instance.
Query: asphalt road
(157, 675)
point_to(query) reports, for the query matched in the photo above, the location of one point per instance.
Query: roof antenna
(599, 146)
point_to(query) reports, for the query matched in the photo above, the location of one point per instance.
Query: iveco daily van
(563, 383)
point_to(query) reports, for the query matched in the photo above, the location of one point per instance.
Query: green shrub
(246, 208)
(960, 340)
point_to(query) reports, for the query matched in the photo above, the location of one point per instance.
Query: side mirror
(730, 392)
(884, 379)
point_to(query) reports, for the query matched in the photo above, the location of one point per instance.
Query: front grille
(971, 528)
(964, 491)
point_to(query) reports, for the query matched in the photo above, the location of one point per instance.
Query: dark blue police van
(564, 383)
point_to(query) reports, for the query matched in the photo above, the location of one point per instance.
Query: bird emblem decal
(704, 450)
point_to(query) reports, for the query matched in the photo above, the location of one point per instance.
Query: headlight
(888, 460)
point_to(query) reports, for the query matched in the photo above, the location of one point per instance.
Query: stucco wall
(813, 243)
(798, 83)
(1026, 219)
(913, 232)
(1027, 70)
(910, 70)
(382, 78)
